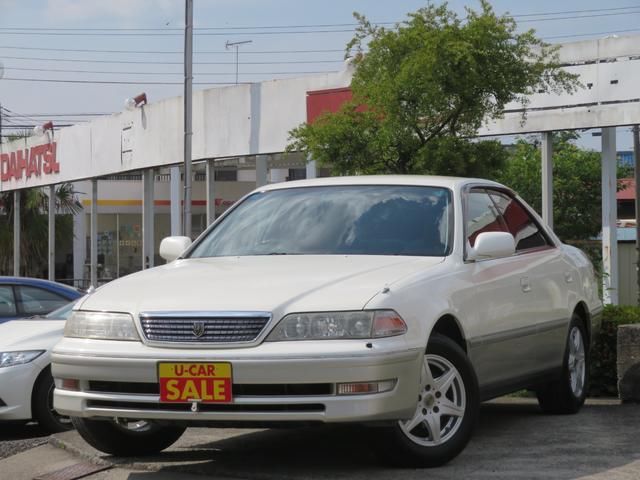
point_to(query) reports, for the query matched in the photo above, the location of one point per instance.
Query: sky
(38, 38)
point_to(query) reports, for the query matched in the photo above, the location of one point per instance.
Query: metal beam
(609, 214)
(148, 241)
(79, 246)
(636, 176)
(16, 233)
(312, 169)
(94, 233)
(52, 232)
(261, 170)
(547, 178)
(188, 100)
(211, 191)
(174, 193)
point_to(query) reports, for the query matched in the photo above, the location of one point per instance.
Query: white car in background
(26, 384)
(400, 302)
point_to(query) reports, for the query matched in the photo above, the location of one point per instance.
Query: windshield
(61, 313)
(328, 220)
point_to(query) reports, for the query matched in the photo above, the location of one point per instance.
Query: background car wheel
(42, 405)
(127, 438)
(446, 410)
(567, 395)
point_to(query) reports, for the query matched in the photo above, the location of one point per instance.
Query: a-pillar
(148, 241)
(16, 233)
(211, 191)
(262, 167)
(52, 232)
(93, 241)
(547, 178)
(609, 213)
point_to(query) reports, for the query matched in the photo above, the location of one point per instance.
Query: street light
(236, 45)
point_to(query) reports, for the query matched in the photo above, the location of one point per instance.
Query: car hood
(277, 284)
(30, 334)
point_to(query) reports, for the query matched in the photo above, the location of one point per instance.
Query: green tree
(34, 225)
(577, 210)
(428, 84)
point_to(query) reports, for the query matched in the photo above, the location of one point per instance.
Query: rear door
(8, 308)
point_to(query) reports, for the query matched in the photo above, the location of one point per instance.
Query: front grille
(247, 389)
(207, 407)
(213, 328)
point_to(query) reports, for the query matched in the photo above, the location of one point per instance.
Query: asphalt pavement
(513, 440)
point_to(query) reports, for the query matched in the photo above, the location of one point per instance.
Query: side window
(7, 302)
(519, 222)
(481, 215)
(37, 301)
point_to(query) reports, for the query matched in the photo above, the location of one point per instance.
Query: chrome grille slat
(215, 328)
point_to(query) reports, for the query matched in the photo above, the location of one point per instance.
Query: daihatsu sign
(36, 161)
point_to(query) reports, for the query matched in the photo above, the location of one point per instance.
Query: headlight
(9, 359)
(338, 325)
(101, 325)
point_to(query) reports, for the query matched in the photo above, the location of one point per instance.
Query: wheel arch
(43, 372)
(449, 326)
(582, 311)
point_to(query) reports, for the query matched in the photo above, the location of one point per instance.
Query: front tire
(126, 438)
(567, 395)
(446, 410)
(42, 405)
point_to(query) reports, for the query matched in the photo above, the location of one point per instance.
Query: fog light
(363, 388)
(69, 384)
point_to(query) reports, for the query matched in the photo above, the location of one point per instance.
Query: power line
(159, 73)
(591, 34)
(111, 82)
(81, 60)
(574, 17)
(136, 34)
(171, 52)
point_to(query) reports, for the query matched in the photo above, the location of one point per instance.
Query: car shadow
(10, 431)
(513, 440)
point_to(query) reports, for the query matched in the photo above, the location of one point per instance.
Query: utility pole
(636, 177)
(188, 81)
(236, 45)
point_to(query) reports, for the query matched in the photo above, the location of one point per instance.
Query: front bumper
(16, 387)
(134, 365)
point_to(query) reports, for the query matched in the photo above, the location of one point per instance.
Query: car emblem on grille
(198, 329)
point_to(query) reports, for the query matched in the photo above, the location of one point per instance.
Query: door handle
(525, 285)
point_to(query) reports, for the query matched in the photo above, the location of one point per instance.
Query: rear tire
(567, 395)
(127, 438)
(446, 410)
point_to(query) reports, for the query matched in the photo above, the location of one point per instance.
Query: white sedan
(400, 302)
(26, 384)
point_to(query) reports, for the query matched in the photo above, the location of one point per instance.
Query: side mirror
(172, 247)
(492, 245)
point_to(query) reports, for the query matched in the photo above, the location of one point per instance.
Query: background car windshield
(350, 220)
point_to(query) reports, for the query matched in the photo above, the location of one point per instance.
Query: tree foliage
(577, 182)
(34, 225)
(427, 85)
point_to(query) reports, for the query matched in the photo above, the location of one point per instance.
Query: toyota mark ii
(399, 302)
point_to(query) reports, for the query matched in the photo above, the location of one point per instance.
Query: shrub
(604, 378)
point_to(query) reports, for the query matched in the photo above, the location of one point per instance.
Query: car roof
(60, 288)
(411, 180)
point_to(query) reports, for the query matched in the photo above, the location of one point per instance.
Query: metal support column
(312, 169)
(148, 241)
(79, 246)
(52, 232)
(261, 170)
(94, 233)
(211, 191)
(174, 189)
(609, 214)
(636, 176)
(547, 178)
(16, 233)
(188, 80)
